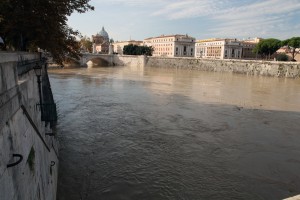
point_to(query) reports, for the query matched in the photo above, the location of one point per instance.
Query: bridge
(114, 59)
(86, 57)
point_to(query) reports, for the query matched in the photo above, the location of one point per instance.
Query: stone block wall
(249, 67)
(129, 60)
(22, 132)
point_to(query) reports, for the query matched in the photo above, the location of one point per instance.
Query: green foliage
(86, 44)
(31, 158)
(30, 23)
(137, 50)
(282, 57)
(292, 43)
(267, 47)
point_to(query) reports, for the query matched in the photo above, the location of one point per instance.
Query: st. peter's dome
(104, 34)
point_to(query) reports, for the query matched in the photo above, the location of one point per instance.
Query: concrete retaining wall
(128, 60)
(249, 67)
(20, 126)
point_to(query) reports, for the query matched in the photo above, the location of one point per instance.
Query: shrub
(282, 57)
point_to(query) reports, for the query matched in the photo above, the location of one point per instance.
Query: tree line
(26, 25)
(268, 47)
(137, 50)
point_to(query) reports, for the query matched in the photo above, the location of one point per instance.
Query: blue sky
(140, 19)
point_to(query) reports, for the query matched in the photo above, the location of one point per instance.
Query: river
(155, 133)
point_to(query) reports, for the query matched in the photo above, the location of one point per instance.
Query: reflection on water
(133, 133)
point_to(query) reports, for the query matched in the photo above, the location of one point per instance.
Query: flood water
(134, 133)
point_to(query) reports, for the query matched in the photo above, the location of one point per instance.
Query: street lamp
(38, 73)
(37, 70)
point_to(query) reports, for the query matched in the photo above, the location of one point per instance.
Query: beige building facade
(172, 45)
(218, 48)
(118, 46)
(248, 47)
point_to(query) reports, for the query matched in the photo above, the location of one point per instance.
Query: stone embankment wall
(23, 133)
(249, 67)
(129, 60)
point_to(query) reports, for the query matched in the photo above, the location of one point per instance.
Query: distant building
(248, 47)
(218, 48)
(172, 45)
(226, 48)
(286, 50)
(118, 46)
(101, 42)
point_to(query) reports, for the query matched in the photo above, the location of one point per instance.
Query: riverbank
(248, 67)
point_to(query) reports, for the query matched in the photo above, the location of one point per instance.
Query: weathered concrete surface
(249, 67)
(18, 135)
(127, 60)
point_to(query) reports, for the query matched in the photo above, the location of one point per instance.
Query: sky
(202, 19)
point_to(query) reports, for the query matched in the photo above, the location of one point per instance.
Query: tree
(147, 50)
(29, 24)
(137, 50)
(267, 47)
(293, 46)
(129, 49)
(86, 44)
(282, 57)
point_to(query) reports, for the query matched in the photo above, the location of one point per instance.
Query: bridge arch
(97, 59)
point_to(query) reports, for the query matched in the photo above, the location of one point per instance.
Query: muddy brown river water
(135, 133)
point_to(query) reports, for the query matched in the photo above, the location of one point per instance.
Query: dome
(104, 34)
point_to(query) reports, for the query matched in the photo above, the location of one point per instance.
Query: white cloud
(191, 8)
(143, 3)
(266, 19)
(240, 18)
